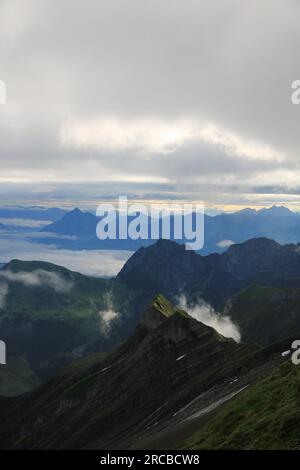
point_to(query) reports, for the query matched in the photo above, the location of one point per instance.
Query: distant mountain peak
(247, 211)
(276, 210)
(76, 211)
(74, 223)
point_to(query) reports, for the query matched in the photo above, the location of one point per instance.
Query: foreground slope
(170, 369)
(267, 416)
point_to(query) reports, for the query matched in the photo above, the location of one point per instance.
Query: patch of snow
(235, 380)
(106, 368)
(215, 404)
(180, 357)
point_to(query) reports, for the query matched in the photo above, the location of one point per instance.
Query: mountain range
(220, 231)
(50, 316)
(171, 269)
(128, 372)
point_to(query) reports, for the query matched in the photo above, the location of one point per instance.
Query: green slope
(17, 377)
(265, 314)
(52, 316)
(266, 416)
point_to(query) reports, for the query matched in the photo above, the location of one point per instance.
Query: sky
(181, 99)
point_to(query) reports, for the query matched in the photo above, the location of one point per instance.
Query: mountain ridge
(157, 378)
(276, 222)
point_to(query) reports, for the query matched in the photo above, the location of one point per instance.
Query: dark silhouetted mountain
(171, 269)
(167, 373)
(261, 258)
(165, 266)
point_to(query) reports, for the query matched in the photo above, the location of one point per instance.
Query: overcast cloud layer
(192, 97)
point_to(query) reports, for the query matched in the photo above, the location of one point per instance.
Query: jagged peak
(158, 311)
(278, 210)
(165, 307)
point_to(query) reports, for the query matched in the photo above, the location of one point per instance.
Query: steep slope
(52, 316)
(264, 417)
(170, 368)
(265, 314)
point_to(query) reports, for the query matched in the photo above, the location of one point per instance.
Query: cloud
(195, 97)
(142, 136)
(225, 243)
(38, 277)
(204, 313)
(158, 137)
(97, 263)
(109, 315)
(19, 222)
